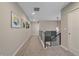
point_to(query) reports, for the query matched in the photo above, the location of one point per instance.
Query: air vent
(36, 9)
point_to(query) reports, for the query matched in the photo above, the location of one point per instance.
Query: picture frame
(27, 25)
(23, 25)
(16, 21)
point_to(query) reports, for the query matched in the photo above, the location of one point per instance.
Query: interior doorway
(35, 28)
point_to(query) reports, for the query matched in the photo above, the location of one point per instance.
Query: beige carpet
(35, 48)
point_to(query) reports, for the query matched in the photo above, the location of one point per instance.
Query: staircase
(50, 38)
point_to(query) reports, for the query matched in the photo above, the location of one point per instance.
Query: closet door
(73, 31)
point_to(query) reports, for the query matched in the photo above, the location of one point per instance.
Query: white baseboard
(64, 48)
(75, 52)
(20, 47)
(68, 50)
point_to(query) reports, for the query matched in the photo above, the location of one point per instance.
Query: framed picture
(15, 21)
(23, 25)
(27, 25)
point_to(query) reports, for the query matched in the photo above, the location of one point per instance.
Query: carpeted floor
(35, 49)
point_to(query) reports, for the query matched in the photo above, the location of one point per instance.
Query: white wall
(70, 17)
(73, 28)
(11, 38)
(48, 25)
(64, 31)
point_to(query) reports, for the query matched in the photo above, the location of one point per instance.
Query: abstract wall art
(15, 21)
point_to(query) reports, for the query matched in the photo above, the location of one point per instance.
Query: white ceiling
(48, 10)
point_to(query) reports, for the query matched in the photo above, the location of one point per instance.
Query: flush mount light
(33, 13)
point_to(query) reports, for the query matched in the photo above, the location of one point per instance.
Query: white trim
(41, 42)
(64, 48)
(20, 46)
(68, 50)
(75, 52)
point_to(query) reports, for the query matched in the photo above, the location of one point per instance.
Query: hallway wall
(11, 38)
(49, 25)
(64, 28)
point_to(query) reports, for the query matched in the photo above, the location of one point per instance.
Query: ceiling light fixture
(33, 13)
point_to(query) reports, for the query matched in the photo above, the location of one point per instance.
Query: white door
(35, 28)
(73, 31)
